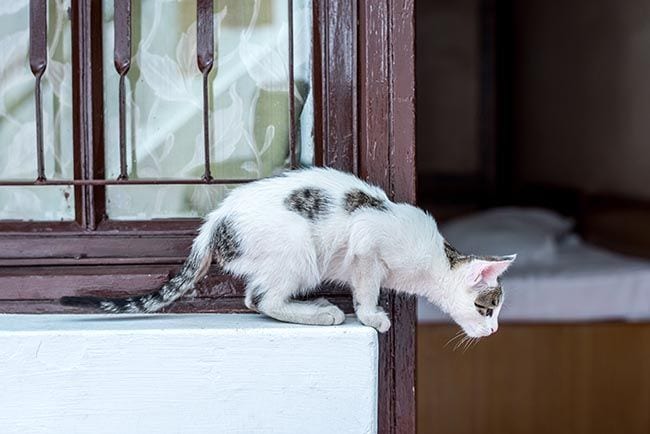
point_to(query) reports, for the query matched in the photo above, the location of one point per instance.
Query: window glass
(249, 108)
(17, 115)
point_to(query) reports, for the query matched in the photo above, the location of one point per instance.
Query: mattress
(580, 283)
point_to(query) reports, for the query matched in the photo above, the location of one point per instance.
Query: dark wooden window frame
(364, 113)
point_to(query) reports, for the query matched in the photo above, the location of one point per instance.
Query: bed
(557, 276)
(574, 340)
(581, 283)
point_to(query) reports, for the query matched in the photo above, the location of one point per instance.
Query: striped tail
(194, 268)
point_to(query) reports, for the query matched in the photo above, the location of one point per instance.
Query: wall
(536, 379)
(582, 98)
(185, 374)
(447, 86)
(582, 94)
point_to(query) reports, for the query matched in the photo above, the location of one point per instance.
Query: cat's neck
(422, 268)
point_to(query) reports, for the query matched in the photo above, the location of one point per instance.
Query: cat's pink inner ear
(494, 269)
(486, 272)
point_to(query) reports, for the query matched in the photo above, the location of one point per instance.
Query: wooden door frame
(368, 85)
(386, 107)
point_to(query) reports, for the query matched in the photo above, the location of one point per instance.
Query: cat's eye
(484, 311)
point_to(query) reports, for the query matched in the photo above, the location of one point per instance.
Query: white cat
(288, 234)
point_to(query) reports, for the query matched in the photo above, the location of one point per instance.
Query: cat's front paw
(378, 320)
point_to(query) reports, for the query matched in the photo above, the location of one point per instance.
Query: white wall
(185, 374)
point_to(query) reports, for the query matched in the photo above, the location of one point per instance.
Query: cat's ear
(484, 271)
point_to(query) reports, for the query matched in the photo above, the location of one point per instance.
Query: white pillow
(531, 233)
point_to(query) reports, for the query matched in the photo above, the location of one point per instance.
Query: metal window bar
(122, 61)
(293, 156)
(205, 60)
(38, 63)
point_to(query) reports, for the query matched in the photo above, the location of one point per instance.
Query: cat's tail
(194, 268)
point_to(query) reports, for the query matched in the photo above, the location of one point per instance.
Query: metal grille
(122, 59)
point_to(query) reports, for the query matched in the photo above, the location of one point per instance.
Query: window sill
(185, 373)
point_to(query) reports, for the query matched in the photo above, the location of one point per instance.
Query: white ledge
(201, 373)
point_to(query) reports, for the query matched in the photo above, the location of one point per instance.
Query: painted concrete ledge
(185, 374)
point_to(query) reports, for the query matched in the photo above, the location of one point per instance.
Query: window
(105, 196)
(154, 115)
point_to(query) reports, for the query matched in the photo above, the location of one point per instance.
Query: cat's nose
(494, 328)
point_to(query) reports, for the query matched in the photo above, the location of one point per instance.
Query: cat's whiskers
(468, 342)
(471, 343)
(458, 334)
(460, 343)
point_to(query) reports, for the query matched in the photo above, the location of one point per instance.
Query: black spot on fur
(137, 301)
(120, 303)
(226, 242)
(158, 297)
(309, 202)
(454, 257)
(489, 299)
(356, 199)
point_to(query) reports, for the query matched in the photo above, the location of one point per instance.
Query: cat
(288, 234)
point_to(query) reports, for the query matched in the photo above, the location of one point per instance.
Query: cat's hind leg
(314, 312)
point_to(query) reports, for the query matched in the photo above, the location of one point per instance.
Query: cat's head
(473, 293)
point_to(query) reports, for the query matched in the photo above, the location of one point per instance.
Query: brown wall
(447, 85)
(582, 94)
(536, 379)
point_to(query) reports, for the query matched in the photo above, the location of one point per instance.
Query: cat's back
(319, 187)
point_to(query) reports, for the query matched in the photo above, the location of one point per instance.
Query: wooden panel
(334, 83)
(618, 224)
(374, 163)
(88, 110)
(386, 94)
(576, 379)
(403, 189)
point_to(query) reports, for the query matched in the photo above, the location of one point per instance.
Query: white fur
(284, 254)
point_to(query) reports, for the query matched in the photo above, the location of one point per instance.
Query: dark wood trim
(318, 79)
(374, 165)
(88, 108)
(96, 195)
(374, 93)
(233, 304)
(82, 247)
(335, 33)
(15, 227)
(78, 149)
(403, 189)
(386, 93)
